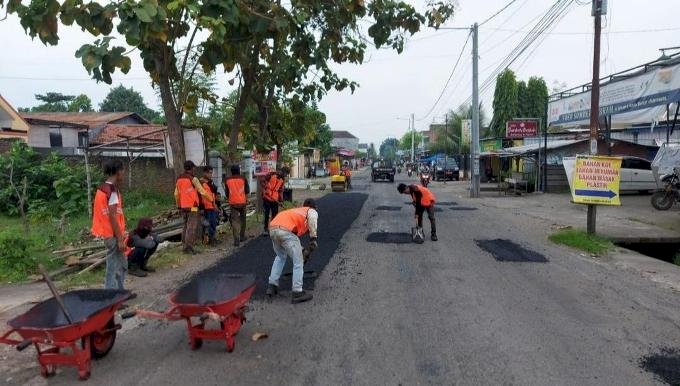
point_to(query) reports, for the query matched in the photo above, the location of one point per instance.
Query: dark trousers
(140, 256)
(238, 222)
(430, 214)
(269, 207)
(211, 217)
(190, 228)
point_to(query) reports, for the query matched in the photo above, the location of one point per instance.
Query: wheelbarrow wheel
(84, 375)
(48, 371)
(102, 343)
(196, 343)
(231, 343)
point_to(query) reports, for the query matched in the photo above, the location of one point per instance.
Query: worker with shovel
(285, 231)
(423, 200)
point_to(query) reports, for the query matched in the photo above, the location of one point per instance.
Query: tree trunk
(239, 112)
(174, 121)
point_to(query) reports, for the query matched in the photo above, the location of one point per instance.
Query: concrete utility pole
(412, 123)
(474, 145)
(599, 8)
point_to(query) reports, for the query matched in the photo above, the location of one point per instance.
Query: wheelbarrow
(90, 334)
(218, 297)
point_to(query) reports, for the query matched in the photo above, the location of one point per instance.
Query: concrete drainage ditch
(660, 249)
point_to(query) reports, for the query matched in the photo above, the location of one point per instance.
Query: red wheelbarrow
(218, 297)
(91, 334)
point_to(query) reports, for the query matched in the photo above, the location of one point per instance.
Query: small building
(66, 132)
(344, 140)
(12, 125)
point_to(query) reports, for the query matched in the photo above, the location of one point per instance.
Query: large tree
(522, 99)
(121, 98)
(504, 102)
(405, 141)
(51, 102)
(448, 135)
(388, 148)
(537, 99)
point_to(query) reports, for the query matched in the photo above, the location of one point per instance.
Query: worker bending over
(272, 196)
(236, 190)
(285, 231)
(187, 190)
(423, 199)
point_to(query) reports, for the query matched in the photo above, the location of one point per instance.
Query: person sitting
(142, 244)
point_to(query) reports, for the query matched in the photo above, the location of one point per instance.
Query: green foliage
(121, 98)
(51, 102)
(371, 153)
(448, 135)
(537, 99)
(388, 148)
(14, 257)
(82, 103)
(522, 100)
(55, 187)
(405, 141)
(322, 140)
(581, 240)
(504, 102)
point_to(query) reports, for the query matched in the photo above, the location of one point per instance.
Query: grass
(21, 252)
(582, 241)
(87, 279)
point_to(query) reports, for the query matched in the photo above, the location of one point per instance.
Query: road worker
(272, 196)
(209, 206)
(423, 200)
(108, 222)
(236, 189)
(347, 172)
(187, 191)
(285, 231)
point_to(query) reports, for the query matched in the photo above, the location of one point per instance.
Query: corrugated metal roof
(111, 133)
(89, 119)
(342, 134)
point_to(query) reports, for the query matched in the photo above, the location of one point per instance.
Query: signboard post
(595, 180)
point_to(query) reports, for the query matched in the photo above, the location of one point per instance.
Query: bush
(16, 260)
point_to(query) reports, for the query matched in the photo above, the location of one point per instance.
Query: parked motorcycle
(425, 178)
(670, 194)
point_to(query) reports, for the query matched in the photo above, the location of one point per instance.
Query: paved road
(437, 313)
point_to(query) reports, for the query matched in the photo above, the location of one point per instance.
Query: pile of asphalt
(337, 212)
(506, 250)
(665, 365)
(389, 238)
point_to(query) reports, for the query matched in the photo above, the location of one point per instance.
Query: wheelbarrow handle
(170, 314)
(21, 346)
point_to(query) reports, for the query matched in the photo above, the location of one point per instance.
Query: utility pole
(474, 145)
(599, 8)
(412, 123)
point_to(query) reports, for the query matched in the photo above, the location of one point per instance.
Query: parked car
(446, 169)
(636, 175)
(383, 170)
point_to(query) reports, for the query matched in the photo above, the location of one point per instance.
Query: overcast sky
(392, 85)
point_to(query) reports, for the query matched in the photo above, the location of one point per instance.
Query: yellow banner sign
(596, 180)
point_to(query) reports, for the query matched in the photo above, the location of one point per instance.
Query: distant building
(12, 126)
(363, 146)
(344, 140)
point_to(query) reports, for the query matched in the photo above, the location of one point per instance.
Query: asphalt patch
(508, 251)
(665, 365)
(445, 203)
(385, 207)
(389, 238)
(337, 212)
(462, 208)
(437, 209)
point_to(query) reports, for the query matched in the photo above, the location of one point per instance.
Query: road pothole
(508, 251)
(386, 207)
(389, 238)
(665, 365)
(463, 208)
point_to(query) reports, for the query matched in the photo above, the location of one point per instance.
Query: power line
(447, 80)
(497, 13)
(65, 79)
(669, 29)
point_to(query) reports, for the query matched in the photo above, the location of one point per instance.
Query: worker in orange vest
(423, 200)
(108, 223)
(187, 191)
(285, 231)
(209, 206)
(236, 190)
(347, 172)
(272, 196)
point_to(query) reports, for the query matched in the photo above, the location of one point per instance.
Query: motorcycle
(409, 172)
(399, 170)
(425, 178)
(670, 194)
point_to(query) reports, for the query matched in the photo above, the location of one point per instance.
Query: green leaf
(143, 15)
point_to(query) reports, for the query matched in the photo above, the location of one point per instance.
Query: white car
(636, 175)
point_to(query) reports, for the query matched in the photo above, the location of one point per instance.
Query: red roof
(92, 119)
(111, 133)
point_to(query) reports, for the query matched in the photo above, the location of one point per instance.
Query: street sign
(596, 180)
(521, 128)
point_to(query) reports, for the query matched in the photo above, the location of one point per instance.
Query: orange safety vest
(208, 205)
(428, 198)
(188, 196)
(347, 172)
(272, 189)
(237, 190)
(294, 220)
(101, 224)
(128, 249)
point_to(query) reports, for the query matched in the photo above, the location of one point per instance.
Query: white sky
(392, 86)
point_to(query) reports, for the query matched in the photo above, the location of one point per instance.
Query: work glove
(313, 244)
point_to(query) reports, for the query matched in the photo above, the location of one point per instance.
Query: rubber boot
(300, 297)
(272, 290)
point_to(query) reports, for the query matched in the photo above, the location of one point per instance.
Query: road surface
(442, 312)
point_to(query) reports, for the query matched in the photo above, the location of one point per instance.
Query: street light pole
(413, 138)
(474, 145)
(599, 7)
